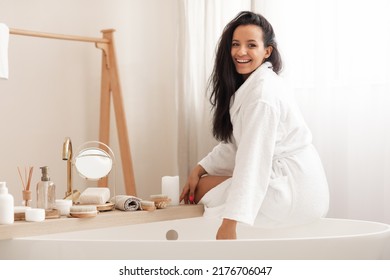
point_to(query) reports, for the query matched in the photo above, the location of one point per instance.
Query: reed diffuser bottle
(26, 186)
(46, 191)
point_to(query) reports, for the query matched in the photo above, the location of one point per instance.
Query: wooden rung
(57, 36)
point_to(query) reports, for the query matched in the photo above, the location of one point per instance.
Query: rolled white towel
(4, 38)
(126, 202)
(97, 196)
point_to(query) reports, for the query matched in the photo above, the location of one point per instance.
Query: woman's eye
(235, 44)
(252, 46)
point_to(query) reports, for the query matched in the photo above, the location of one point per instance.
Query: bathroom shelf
(102, 220)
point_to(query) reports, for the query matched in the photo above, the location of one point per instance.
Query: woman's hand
(227, 230)
(188, 193)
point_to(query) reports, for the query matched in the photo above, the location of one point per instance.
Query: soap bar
(95, 196)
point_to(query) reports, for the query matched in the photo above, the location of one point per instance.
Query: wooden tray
(19, 216)
(52, 214)
(105, 207)
(84, 214)
(49, 214)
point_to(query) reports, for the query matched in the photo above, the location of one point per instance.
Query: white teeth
(243, 61)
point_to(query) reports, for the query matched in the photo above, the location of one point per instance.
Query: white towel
(126, 202)
(97, 196)
(4, 38)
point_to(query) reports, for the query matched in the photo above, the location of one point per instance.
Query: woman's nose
(242, 51)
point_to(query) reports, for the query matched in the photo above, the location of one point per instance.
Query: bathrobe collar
(251, 82)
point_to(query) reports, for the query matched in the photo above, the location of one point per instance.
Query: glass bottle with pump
(46, 191)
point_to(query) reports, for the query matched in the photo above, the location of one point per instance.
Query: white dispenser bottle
(46, 191)
(6, 205)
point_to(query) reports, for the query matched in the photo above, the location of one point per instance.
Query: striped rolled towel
(126, 202)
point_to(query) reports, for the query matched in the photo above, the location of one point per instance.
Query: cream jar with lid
(35, 215)
(63, 205)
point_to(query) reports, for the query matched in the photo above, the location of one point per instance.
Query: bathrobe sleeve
(256, 139)
(220, 161)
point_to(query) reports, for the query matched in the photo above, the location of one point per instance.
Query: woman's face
(248, 51)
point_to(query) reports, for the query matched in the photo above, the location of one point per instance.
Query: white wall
(53, 89)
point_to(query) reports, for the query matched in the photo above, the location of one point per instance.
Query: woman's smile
(243, 60)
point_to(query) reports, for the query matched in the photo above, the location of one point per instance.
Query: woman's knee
(206, 183)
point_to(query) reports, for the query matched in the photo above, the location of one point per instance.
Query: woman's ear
(268, 51)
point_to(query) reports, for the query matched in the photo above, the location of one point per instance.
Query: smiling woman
(336, 59)
(265, 170)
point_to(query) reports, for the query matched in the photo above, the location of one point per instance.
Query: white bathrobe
(277, 176)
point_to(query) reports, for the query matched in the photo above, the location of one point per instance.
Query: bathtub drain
(171, 235)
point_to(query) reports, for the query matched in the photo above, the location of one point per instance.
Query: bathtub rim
(385, 231)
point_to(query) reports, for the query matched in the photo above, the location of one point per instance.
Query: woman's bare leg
(206, 183)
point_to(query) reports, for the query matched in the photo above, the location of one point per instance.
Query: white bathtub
(325, 239)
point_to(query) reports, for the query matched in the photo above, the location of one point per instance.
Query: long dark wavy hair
(225, 80)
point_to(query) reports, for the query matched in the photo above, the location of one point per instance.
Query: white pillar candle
(170, 187)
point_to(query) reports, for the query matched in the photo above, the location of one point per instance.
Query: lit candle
(170, 187)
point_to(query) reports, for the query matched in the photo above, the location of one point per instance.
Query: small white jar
(35, 215)
(63, 205)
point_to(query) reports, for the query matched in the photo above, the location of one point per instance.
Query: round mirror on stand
(95, 161)
(93, 164)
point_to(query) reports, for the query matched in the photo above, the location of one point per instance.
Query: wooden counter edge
(102, 220)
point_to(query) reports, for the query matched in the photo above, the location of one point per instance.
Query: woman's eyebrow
(248, 41)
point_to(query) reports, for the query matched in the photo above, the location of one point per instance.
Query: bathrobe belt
(290, 153)
(280, 167)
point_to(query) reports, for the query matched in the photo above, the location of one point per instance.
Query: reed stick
(20, 175)
(26, 183)
(29, 178)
